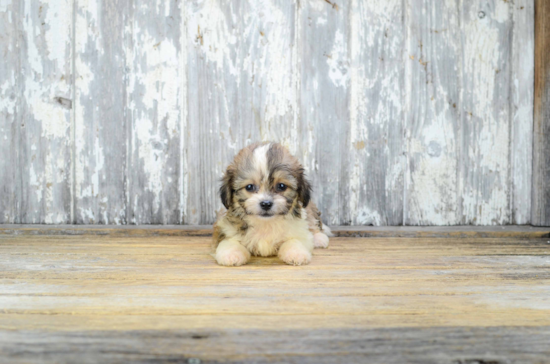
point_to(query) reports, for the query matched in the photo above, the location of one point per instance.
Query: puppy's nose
(266, 205)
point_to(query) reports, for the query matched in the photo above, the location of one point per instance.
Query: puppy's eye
(249, 188)
(281, 187)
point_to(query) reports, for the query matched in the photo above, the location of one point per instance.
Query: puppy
(269, 211)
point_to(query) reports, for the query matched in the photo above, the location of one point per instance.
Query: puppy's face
(265, 180)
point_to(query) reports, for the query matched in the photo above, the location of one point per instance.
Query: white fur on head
(254, 179)
(285, 227)
(260, 160)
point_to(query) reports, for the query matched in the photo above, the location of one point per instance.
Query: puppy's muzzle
(266, 205)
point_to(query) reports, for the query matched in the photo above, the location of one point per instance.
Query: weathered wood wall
(416, 112)
(541, 155)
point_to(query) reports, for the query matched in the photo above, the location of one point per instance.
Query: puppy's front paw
(231, 258)
(294, 253)
(232, 255)
(320, 240)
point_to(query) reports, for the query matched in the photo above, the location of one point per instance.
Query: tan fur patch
(262, 167)
(314, 218)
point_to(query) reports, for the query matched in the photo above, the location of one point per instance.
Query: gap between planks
(509, 231)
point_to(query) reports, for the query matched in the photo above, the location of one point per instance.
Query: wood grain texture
(517, 232)
(324, 53)
(155, 111)
(464, 345)
(240, 89)
(101, 119)
(541, 142)
(44, 141)
(163, 299)
(521, 83)
(403, 112)
(486, 118)
(10, 80)
(433, 125)
(373, 157)
(36, 111)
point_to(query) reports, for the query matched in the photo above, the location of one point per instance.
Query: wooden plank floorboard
(456, 345)
(162, 299)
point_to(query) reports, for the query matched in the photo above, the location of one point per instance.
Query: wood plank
(521, 83)
(124, 230)
(36, 112)
(101, 121)
(541, 136)
(373, 155)
(324, 61)
(486, 117)
(143, 299)
(463, 345)
(343, 231)
(155, 109)
(10, 91)
(433, 125)
(45, 134)
(411, 278)
(241, 89)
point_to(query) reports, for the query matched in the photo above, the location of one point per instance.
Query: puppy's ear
(226, 189)
(304, 189)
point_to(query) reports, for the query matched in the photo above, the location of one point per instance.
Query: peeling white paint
(55, 123)
(365, 216)
(34, 56)
(99, 165)
(7, 102)
(183, 182)
(158, 79)
(522, 76)
(89, 150)
(153, 160)
(251, 78)
(45, 50)
(58, 17)
(376, 107)
(35, 183)
(432, 179)
(81, 163)
(84, 77)
(501, 12)
(338, 61)
(152, 82)
(213, 36)
(5, 5)
(280, 96)
(490, 140)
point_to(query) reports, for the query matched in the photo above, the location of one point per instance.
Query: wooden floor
(162, 299)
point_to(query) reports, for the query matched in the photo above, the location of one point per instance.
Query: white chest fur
(265, 236)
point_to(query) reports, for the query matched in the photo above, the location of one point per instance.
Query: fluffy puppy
(269, 211)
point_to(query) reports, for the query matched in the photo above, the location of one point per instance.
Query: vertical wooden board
(323, 48)
(9, 109)
(485, 165)
(376, 161)
(521, 106)
(240, 89)
(155, 110)
(44, 115)
(101, 130)
(541, 133)
(433, 117)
